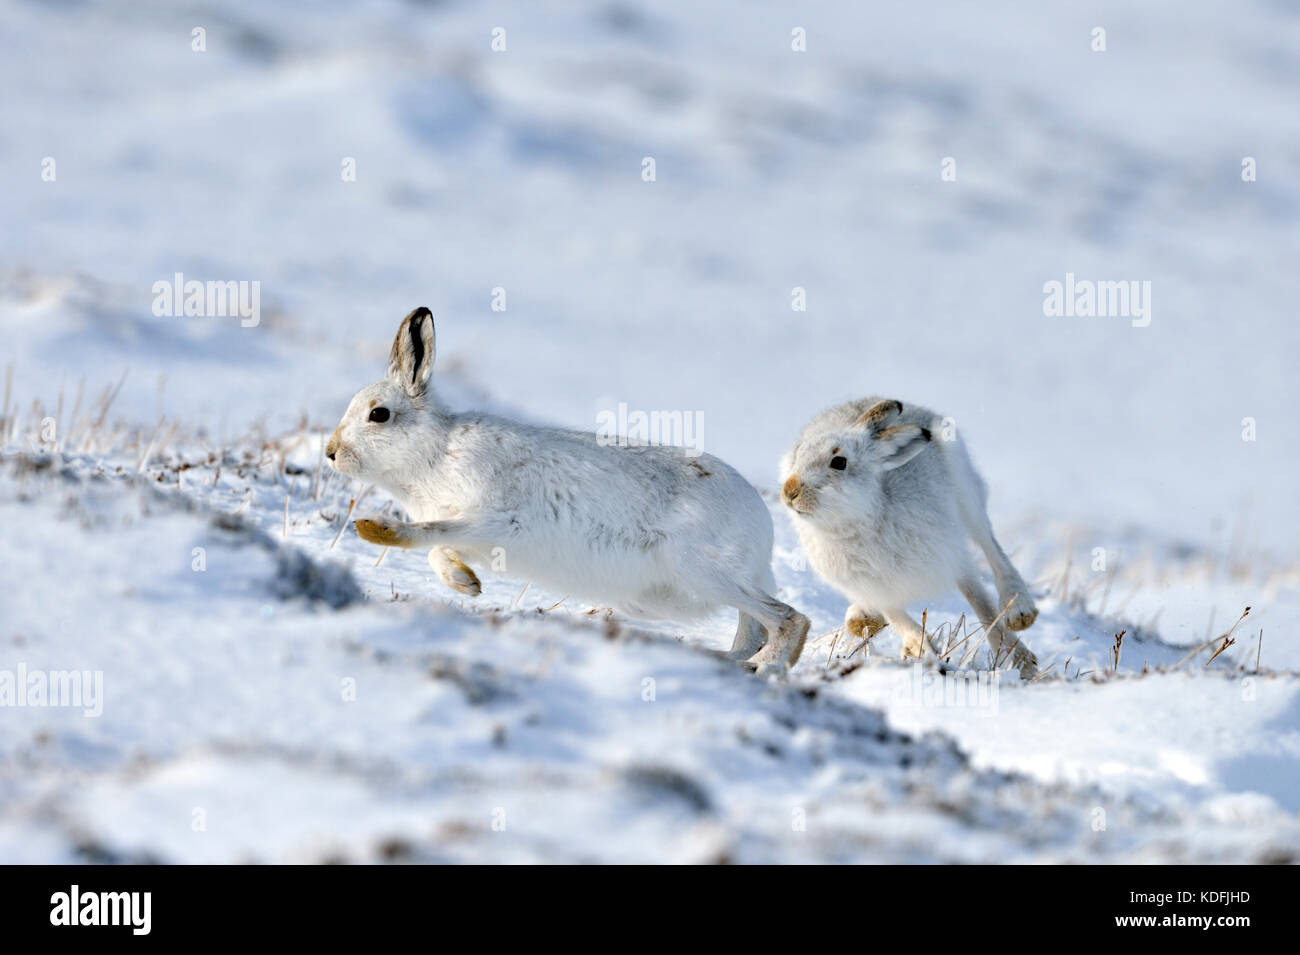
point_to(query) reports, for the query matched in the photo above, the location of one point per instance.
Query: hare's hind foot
(1020, 656)
(454, 572)
(1005, 649)
(783, 647)
(997, 627)
(1026, 661)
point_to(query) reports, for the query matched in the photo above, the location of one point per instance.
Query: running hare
(651, 530)
(884, 514)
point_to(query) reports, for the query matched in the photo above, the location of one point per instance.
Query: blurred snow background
(522, 170)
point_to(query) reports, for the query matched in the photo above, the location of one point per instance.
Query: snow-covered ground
(272, 688)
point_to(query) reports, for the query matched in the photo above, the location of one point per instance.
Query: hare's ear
(411, 362)
(894, 447)
(879, 414)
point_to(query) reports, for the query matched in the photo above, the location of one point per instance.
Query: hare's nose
(332, 448)
(791, 488)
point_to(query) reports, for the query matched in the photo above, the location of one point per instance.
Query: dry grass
(1224, 640)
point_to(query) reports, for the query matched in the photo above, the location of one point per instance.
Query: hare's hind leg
(750, 637)
(972, 503)
(770, 634)
(1013, 592)
(455, 573)
(786, 628)
(1001, 643)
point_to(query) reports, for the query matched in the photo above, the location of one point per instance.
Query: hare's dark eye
(379, 414)
(839, 462)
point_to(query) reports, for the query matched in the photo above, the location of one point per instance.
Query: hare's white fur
(652, 531)
(892, 526)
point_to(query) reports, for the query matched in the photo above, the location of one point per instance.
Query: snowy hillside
(272, 688)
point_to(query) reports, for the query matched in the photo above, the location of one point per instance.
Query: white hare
(884, 514)
(651, 530)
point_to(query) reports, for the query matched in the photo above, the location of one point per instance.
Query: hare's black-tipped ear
(879, 415)
(894, 447)
(411, 362)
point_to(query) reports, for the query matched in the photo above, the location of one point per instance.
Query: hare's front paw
(863, 624)
(913, 647)
(1021, 612)
(455, 573)
(383, 531)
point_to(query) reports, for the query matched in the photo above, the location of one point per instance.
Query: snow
(296, 701)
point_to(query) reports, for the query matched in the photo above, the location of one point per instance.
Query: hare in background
(653, 531)
(884, 514)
